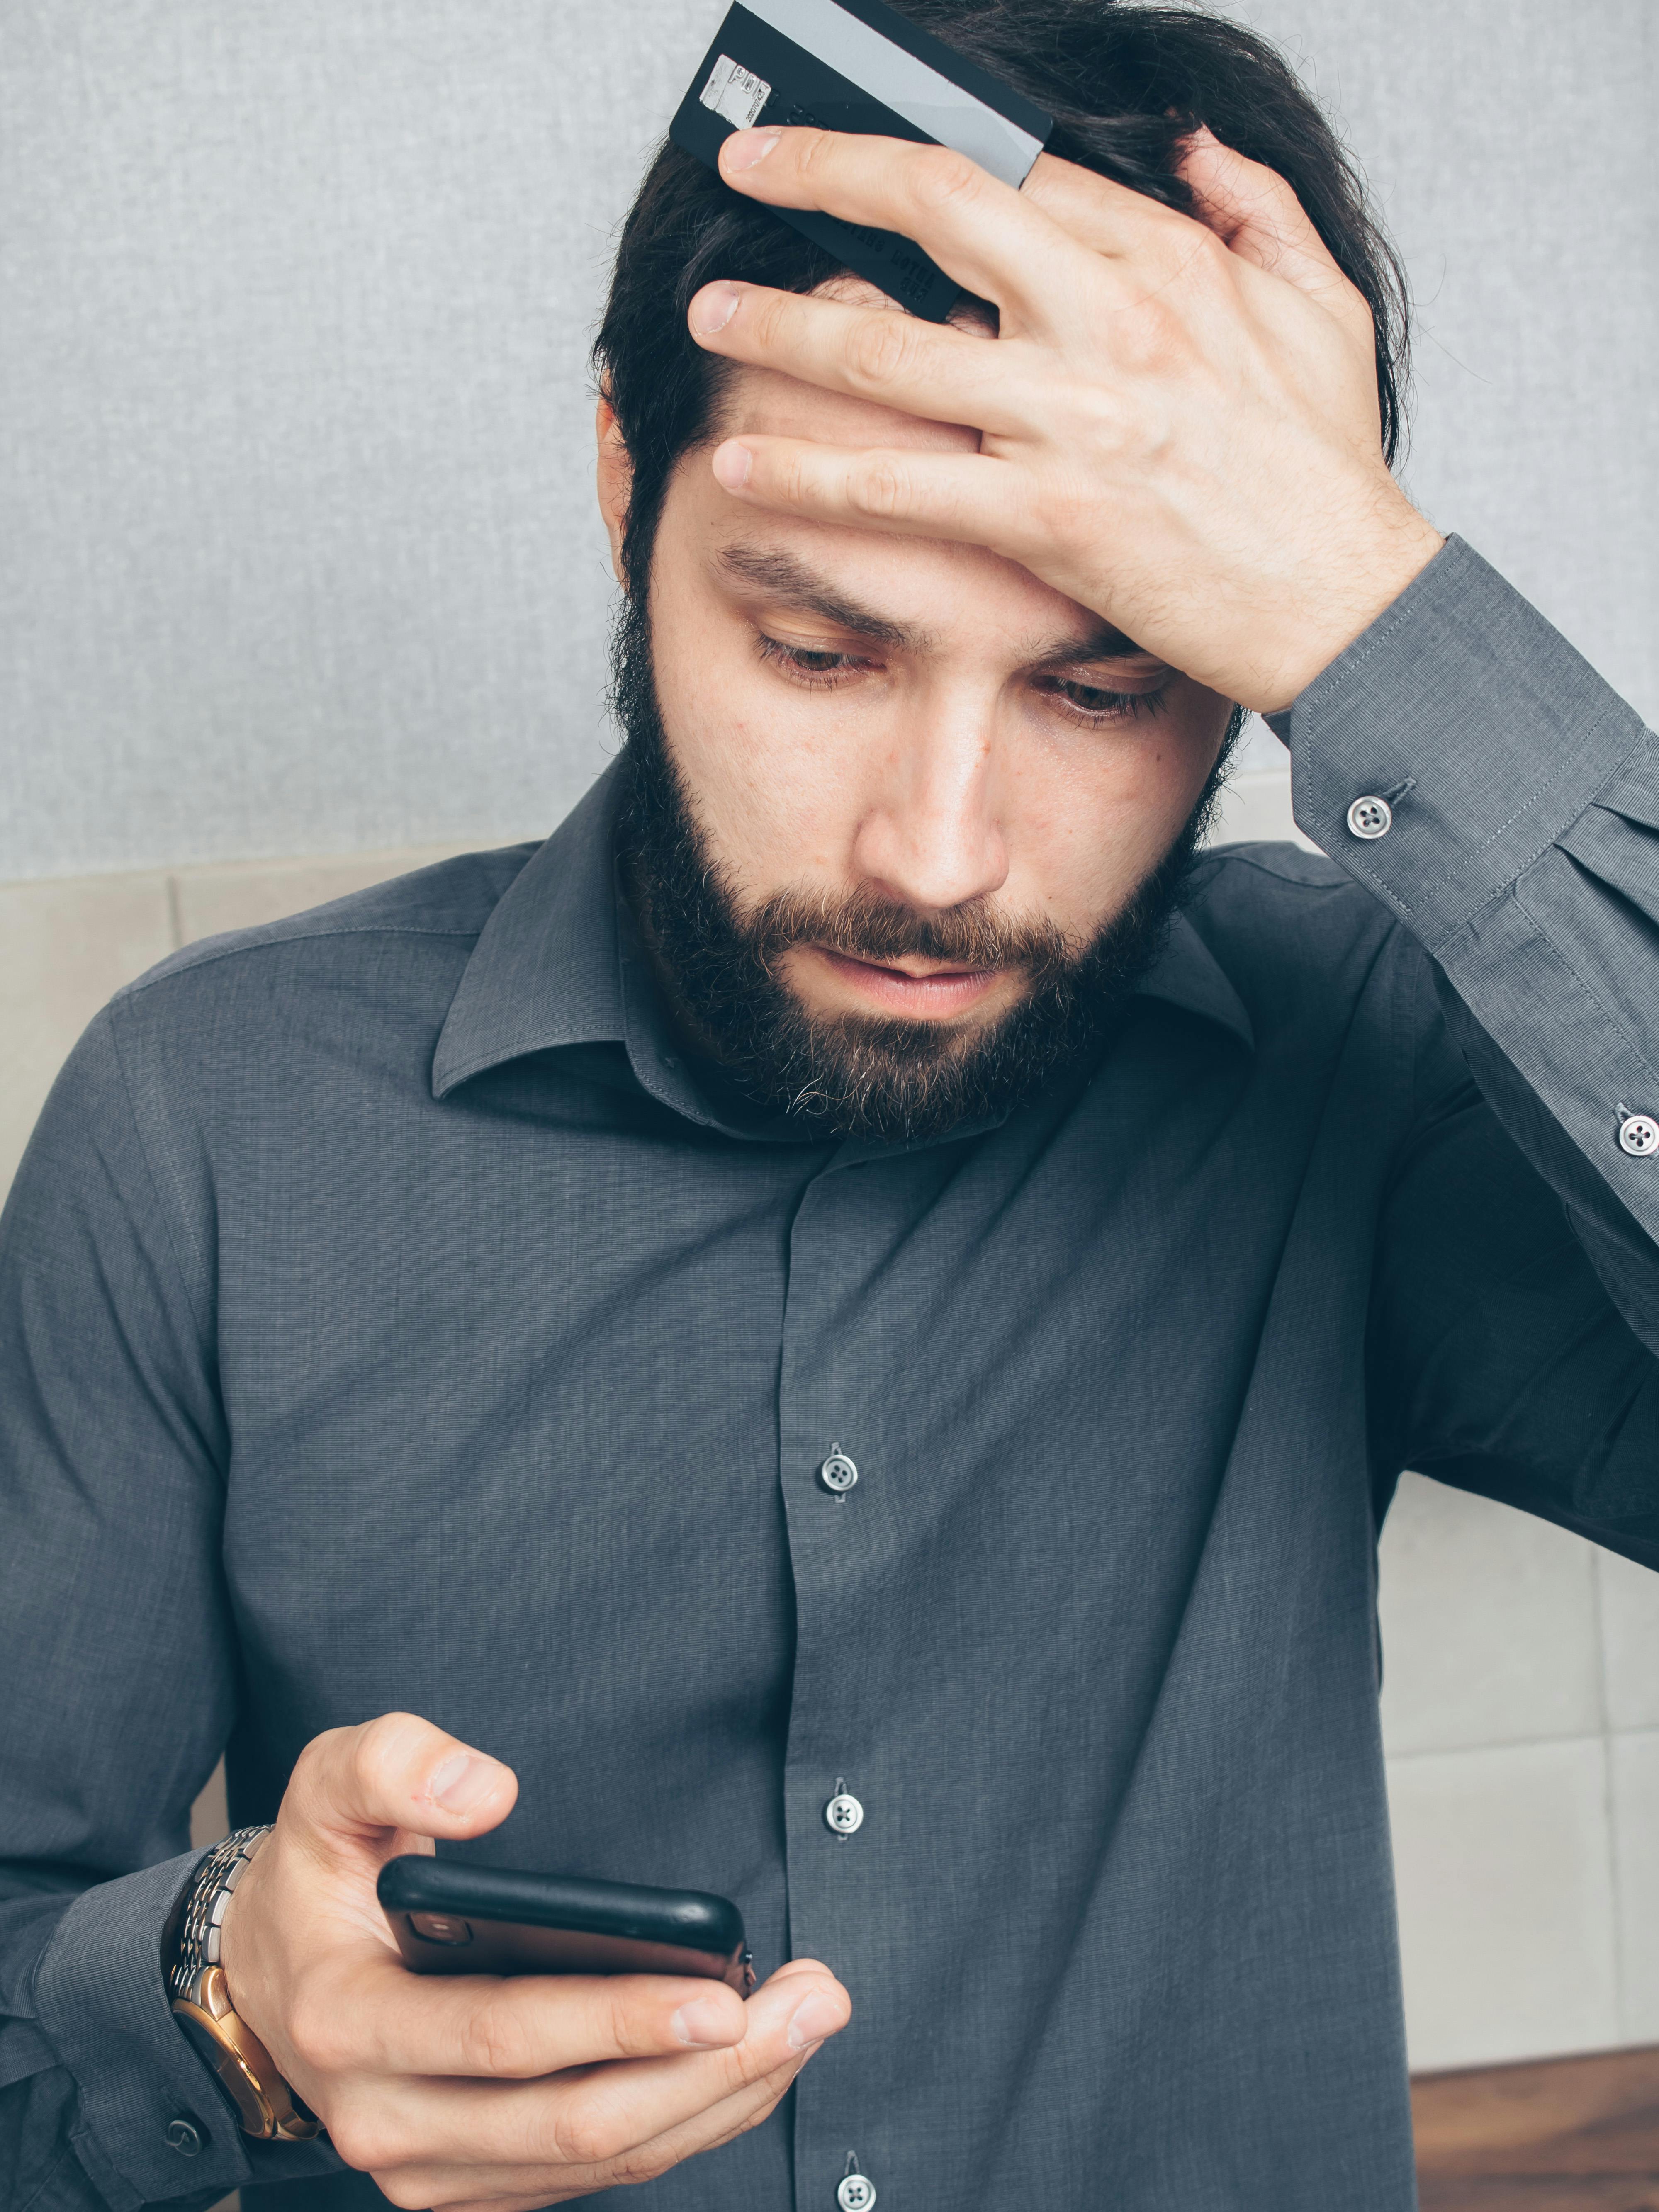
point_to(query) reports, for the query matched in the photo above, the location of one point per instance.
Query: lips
(936, 993)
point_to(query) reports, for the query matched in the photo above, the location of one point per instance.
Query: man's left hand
(1178, 420)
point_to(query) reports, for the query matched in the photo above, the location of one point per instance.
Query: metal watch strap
(265, 2105)
(204, 1911)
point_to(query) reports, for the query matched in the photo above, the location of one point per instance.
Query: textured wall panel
(297, 552)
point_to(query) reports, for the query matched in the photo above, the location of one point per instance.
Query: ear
(615, 481)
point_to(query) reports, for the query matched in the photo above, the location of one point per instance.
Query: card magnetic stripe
(805, 88)
(919, 77)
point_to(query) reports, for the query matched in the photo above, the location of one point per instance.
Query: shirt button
(183, 2138)
(838, 1474)
(843, 1812)
(857, 2193)
(1638, 1135)
(1370, 817)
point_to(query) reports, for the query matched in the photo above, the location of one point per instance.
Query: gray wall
(296, 546)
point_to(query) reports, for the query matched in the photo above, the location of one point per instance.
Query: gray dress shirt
(389, 1319)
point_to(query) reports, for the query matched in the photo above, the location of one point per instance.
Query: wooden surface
(1563, 2134)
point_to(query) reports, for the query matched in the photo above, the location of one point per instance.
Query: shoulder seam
(257, 941)
(196, 1303)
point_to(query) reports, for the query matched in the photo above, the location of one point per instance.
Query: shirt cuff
(102, 2003)
(1482, 730)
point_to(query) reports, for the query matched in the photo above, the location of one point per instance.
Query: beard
(841, 1075)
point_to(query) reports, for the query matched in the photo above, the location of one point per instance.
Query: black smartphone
(451, 1917)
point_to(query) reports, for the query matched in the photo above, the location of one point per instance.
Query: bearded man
(843, 1328)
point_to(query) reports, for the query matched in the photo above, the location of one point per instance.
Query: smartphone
(451, 1917)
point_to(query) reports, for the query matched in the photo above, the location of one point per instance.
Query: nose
(930, 836)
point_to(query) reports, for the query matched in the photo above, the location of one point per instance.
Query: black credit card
(859, 68)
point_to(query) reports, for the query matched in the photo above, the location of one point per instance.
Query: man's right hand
(470, 2093)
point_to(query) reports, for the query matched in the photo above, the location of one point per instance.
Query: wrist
(1394, 550)
(265, 2104)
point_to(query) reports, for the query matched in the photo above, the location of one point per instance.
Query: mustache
(866, 926)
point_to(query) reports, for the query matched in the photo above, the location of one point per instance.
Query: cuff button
(183, 2138)
(1638, 1135)
(1370, 817)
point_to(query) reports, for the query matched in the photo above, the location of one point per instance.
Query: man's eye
(1092, 702)
(816, 668)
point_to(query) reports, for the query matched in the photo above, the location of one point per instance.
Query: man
(861, 1272)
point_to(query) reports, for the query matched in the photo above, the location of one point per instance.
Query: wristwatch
(265, 2105)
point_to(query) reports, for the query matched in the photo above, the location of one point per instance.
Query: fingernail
(744, 148)
(714, 308)
(813, 2019)
(462, 1782)
(704, 2023)
(732, 465)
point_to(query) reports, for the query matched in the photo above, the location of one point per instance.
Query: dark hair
(1127, 85)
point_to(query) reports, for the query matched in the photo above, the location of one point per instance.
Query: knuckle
(360, 2141)
(379, 1744)
(629, 2167)
(880, 348)
(941, 178)
(811, 149)
(495, 2040)
(315, 1754)
(880, 489)
(584, 2134)
(621, 2028)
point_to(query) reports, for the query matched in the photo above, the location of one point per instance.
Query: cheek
(767, 771)
(1091, 819)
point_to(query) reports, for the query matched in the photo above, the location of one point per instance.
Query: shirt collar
(546, 969)
(557, 964)
(1187, 974)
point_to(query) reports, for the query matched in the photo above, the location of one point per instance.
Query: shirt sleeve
(1518, 840)
(116, 1661)
(1523, 856)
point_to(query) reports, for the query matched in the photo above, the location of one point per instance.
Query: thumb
(397, 1775)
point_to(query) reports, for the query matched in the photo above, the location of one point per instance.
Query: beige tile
(1636, 1866)
(1630, 1641)
(209, 1818)
(1257, 805)
(65, 947)
(1489, 1625)
(242, 894)
(1502, 1860)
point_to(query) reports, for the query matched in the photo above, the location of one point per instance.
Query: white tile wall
(1489, 1625)
(1630, 1641)
(1506, 1901)
(1521, 1706)
(1635, 1804)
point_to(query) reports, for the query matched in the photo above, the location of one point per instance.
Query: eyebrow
(789, 580)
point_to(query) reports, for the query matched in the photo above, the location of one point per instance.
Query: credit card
(862, 68)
